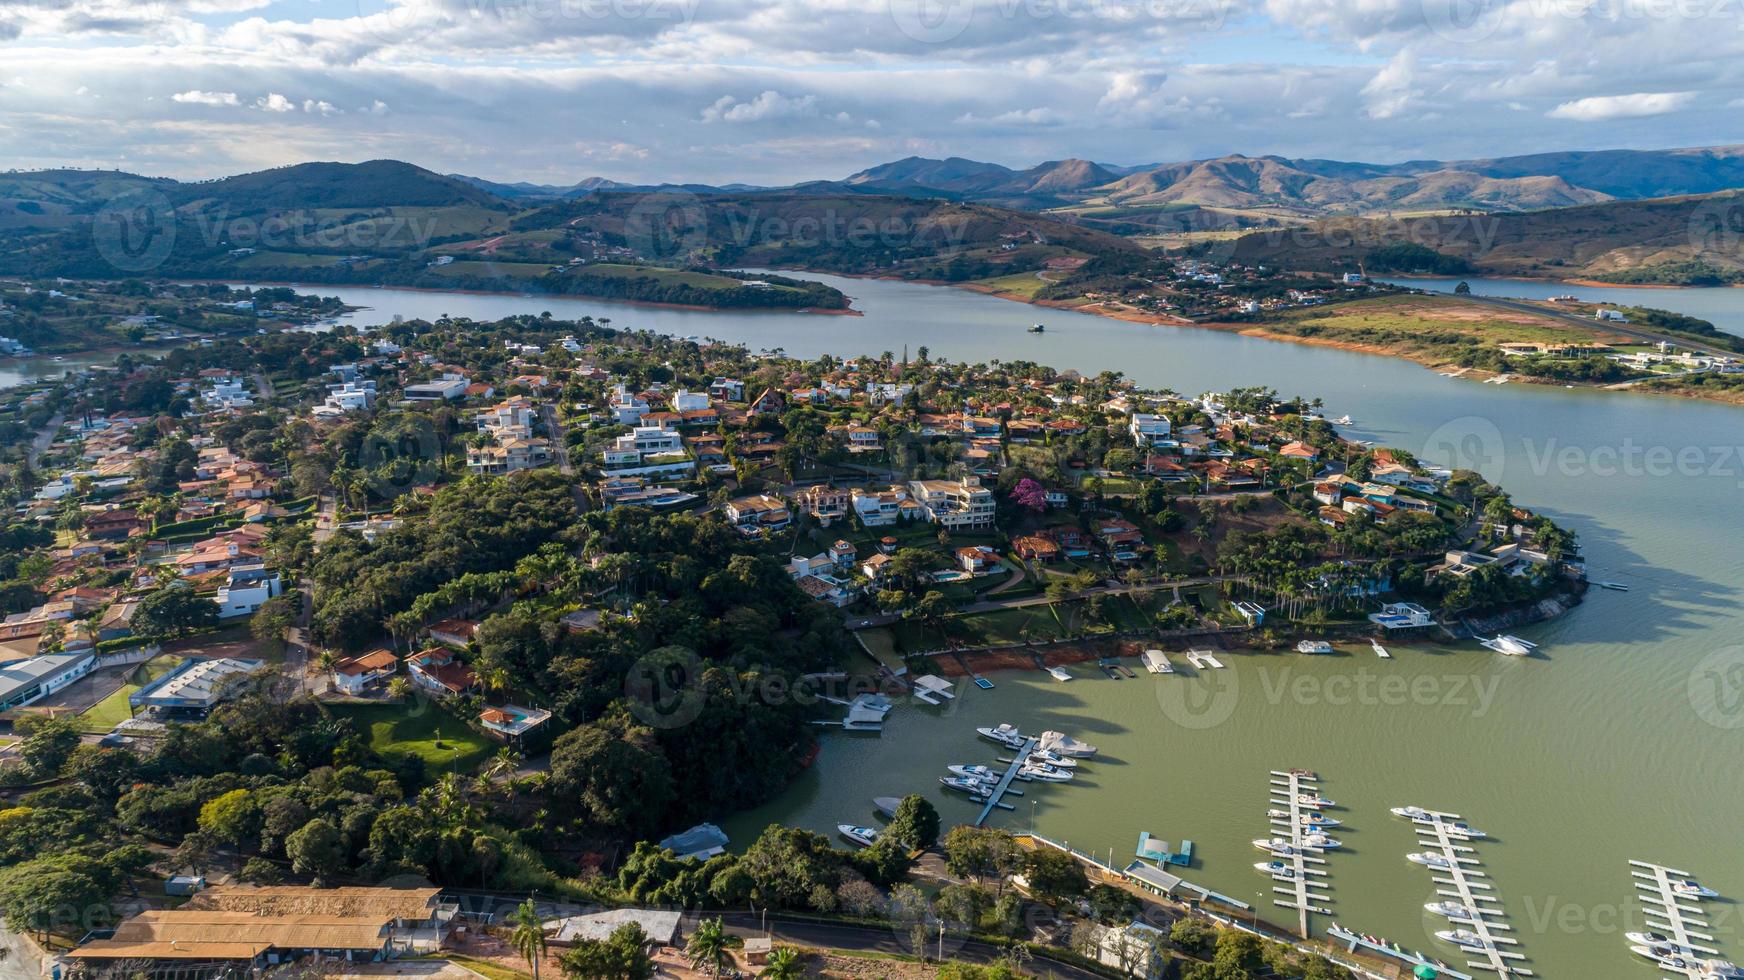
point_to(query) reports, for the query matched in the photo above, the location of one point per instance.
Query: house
(702, 842)
(365, 672)
(824, 502)
(350, 396)
(874, 566)
(826, 589)
(1402, 615)
(1328, 493)
(883, 508)
(1150, 430)
(862, 439)
(510, 455)
(513, 415)
(1301, 451)
(1073, 543)
(1118, 534)
(449, 387)
(455, 633)
(758, 514)
(727, 389)
(25, 681)
(512, 722)
(196, 686)
(843, 554)
(957, 505)
(438, 672)
(769, 402)
(1035, 547)
(1251, 613)
(112, 524)
(976, 559)
(246, 589)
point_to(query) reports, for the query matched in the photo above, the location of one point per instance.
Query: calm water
(1722, 306)
(1624, 739)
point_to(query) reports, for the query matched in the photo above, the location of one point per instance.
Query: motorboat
(1006, 735)
(1276, 845)
(1690, 889)
(1066, 745)
(1059, 673)
(1511, 645)
(1463, 830)
(1463, 938)
(1054, 759)
(1318, 820)
(1045, 773)
(886, 804)
(1452, 910)
(1661, 948)
(1429, 859)
(1313, 799)
(1313, 646)
(1647, 938)
(1321, 841)
(1342, 420)
(974, 787)
(982, 773)
(1276, 869)
(863, 836)
(1412, 813)
(1038, 328)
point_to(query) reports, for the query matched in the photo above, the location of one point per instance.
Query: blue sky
(772, 91)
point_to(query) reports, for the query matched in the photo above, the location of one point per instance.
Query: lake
(1623, 738)
(1720, 305)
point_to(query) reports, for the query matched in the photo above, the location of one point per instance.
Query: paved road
(559, 445)
(45, 438)
(1627, 330)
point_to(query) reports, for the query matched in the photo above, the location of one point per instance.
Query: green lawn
(411, 728)
(102, 717)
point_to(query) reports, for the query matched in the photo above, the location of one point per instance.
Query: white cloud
(770, 105)
(197, 97)
(318, 106)
(1600, 108)
(1390, 91)
(274, 102)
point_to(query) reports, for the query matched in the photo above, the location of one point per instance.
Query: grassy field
(491, 270)
(1021, 285)
(412, 728)
(102, 717)
(1427, 325)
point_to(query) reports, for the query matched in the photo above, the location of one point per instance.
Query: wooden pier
(1354, 941)
(1443, 834)
(997, 794)
(1678, 915)
(1306, 863)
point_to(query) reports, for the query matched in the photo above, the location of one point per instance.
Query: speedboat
(1463, 938)
(1647, 938)
(1321, 841)
(1429, 859)
(1412, 813)
(1513, 646)
(1661, 949)
(1314, 799)
(863, 836)
(1452, 910)
(1276, 869)
(1006, 735)
(1342, 420)
(1318, 820)
(974, 787)
(1054, 759)
(1313, 646)
(1059, 673)
(981, 773)
(1461, 829)
(1689, 888)
(1276, 845)
(1067, 745)
(1045, 773)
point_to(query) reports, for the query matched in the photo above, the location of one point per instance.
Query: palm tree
(783, 964)
(528, 937)
(708, 945)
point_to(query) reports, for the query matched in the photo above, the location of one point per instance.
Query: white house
(246, 588)
(689, 401)
(1150, 430)
(955, 504)
(446, 388)
(350, 396)
(359, 675)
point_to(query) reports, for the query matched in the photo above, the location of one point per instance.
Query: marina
(1354, 941)
(1480, 925)
(1297, 793)
(1671, 907)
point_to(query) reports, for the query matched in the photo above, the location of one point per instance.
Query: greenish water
(1623, 739)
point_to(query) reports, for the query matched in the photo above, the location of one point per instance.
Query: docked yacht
(1276, 845)
(1452, 910)
(863, 836)
(1006, 735)
(1511, 645)
(1313, 646)
(1321, 841)
(1043, 772)
(886, 804)
(1463, 938)
(982, 773)
(1066, 745)
(974, 787)
(1306, 819)
(1277, 869)
(1313, 799)
(1054, 759)
(1689, 889)
(1429, 859)
(1412, 813)
(1462, 830)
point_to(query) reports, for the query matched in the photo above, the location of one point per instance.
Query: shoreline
(688, 307)
(1587, 283)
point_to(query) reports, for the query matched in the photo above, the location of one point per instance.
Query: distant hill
(1687, 239)
(377, 183)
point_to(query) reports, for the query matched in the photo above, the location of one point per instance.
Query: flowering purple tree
(1028, 495)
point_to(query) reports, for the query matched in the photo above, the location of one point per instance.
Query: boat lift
(1307, 880)
(1443, 833)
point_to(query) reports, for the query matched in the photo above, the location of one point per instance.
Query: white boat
(1157, 662)
(1412, 812)
(1660, 948)
(1066, 745)
(863, 836)
(1059, 673)
(1380, 651)
(1647, 938)
(1509, 644)
(1464, 938)
(1322, 841)
(1054, 759)
(1462, 830)
(1429, 859)
(1313, 799)
(1689, 888)
(1318, 820)
(1452, 910)
(1313, 646)
(1043, 772)
(974, 787)
(1342, 420)
(1276, 845)
(1276, 869)
(1006, 735)
(974, 772)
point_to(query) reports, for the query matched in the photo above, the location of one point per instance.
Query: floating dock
(933, 689)
(1374, 944)
(1204, 659)
(1380, 651)
(1306, 883)
(1678, 915)
(1157, 662)
(995, 797)
(1158, 850)
(1445, 834)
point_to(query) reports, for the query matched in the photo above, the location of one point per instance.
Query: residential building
(245, 590)
(1150, 430)
(727, 389)
(511, 722)
(958, 505)
(824, 502)
(437, 671)
(349, 396)
(758, 514)
(366, 672)
(449, 387)
(510, 455)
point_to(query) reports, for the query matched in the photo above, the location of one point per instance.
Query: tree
(621, 956)
(173, 610)
(1192, 935)
(1054, 876)
(1028, 495)
(783, 964)
(963, 904)
(621, 782)
(316, 850)
(40, 895)
(528, 936)
(231, 818)
(47, 746)
(915, 824)
(274, 619)
(709, 946)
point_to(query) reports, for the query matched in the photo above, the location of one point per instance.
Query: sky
(776, 91)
